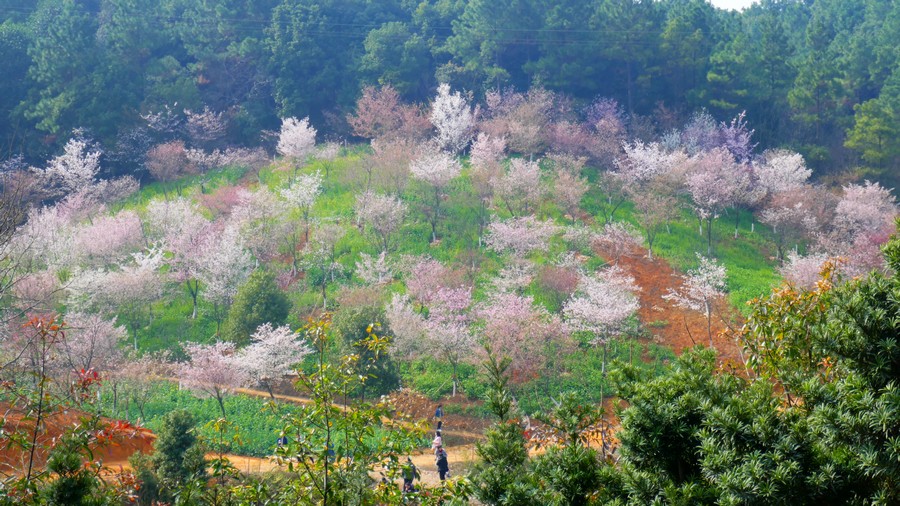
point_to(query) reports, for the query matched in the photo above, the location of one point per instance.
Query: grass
(751, 271)
(259, 421)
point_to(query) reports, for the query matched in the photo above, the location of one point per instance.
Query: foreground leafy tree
(815, 423)
(332, 449)
(501, 475)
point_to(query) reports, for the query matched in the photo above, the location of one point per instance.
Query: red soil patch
(677, 328)
(120, 440)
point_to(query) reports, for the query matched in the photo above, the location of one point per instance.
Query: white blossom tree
(74, 170)
(302, 194)
(780, 171)
(601, 305)
(383, 213)
(273, 353)
(520, 188)
(213, 370)
(223, 264)
(701, 287)
(453, 119)
(296, 140)
(436, 169)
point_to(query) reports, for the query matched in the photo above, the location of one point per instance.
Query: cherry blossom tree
(74, 170)
(803, 271)
(223, 264)
(557, 283)
(520, 236)
(36, 292)
(184, 231)
(166, 121)
(272, 354)
(453, 119)
(383, 213)
(713, 183)
(327, 153)
(373, 270)
(601, 306)
(701, 287)
(617, 239)
(134, 287)
(381, 115)
(425, 276)
(206, 126)
(212, 370)
(516, 328)
(265, 223)
(780, 171)
(302, 194)
(447, 328)
(92, 342)
(436, 169)
(568, 190)
(320, 258)
(864, 208)
(167, 162)
(520, 188)
(46, 237)
(388, 166)
(296, 140)
(654, 210)
(108, 238)
(790, 213)
(486, 157)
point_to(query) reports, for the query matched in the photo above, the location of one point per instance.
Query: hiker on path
(410, 473)
(439, 415)
(443, 466)
(437, 443)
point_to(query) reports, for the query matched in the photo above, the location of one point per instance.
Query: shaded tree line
(821, 77)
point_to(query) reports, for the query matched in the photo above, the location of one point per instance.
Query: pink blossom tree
(436, 169)
(486, 158)
(617, 239)
(223, 264)
(447, 328)
(700, 289)
(108, 239)
(212, 370)
(713, 185)
(568, 190)
(864, 208)
(92, 342)
(264, 223)
(520, 236)
(520, 188)
(184, 231)
(601, 306)
(381, 115)
(388, 166)
(383, 213)
(167, 163)
(803, 271)
(654, 211)
(296, 140)
(273, 353)
(453, 119)
(134, 287)
(791, 215)
(516, 328)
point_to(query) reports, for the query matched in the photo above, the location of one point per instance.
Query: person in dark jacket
(410, 474)
(443, 466)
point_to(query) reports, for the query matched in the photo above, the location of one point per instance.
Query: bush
(258, 301)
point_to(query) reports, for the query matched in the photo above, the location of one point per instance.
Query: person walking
(437, 443)
(443, 466)
(410, 473)
(439, 416)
